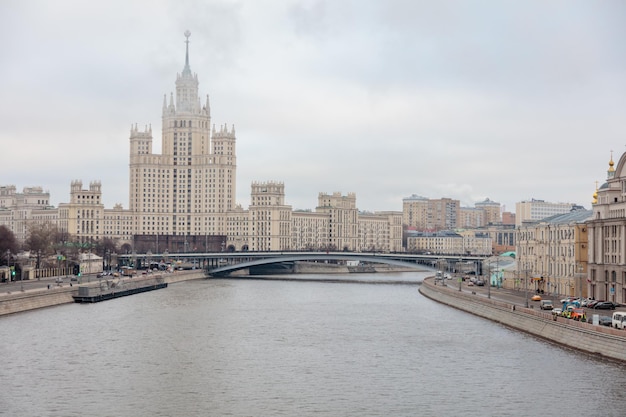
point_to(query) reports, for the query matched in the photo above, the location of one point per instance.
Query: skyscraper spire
(187, 70)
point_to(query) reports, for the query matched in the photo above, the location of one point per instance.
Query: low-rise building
(450, 243)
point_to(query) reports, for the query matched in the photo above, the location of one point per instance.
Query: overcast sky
(388, 98)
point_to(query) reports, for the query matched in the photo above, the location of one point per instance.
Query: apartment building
(533, 210)
(552, 253)
(424, 214)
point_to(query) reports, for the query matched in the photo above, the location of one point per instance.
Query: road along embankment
(19, 301)
(586, 337)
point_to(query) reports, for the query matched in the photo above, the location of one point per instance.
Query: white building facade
(533, 210)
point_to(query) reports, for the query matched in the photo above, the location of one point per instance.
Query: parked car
(546, 305)
(605, 305)
(578, 314)
(592, 303)
(605, 321)
(480, 283)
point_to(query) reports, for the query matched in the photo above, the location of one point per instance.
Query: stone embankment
(586, 337)
(17, 302)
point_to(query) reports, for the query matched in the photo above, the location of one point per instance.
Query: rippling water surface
(289, 348)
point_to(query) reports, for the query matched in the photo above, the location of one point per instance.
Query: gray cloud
(444, 99)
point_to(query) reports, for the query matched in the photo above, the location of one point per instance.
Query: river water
(291, 348)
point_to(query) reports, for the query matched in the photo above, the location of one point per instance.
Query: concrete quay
(508, 308)
(20, 301)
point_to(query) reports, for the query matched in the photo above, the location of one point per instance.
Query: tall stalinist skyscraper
(189, 188)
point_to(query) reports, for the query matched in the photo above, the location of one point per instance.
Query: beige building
(423, 214)
(492, 211)
(426, 214)
(336, 224)
(471, 217)
(607, 237)
(18, 211)
(189, 188)
(83, 216)
(552, 253)
(185, 197)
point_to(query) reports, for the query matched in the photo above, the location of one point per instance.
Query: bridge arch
(282, 259)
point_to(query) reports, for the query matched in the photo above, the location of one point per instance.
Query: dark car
(605, 321)
(605, 305)
(480, 283)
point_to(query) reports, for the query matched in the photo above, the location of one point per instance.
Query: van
(619, 320)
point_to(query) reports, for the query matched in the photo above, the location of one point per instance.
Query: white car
(557, 311)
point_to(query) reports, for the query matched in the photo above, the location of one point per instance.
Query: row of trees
(45, 240)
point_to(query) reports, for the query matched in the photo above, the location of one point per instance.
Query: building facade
(450, 243)
(607, 237)
(184, 198)
(492, 211)
(189, 188)
(533, 210)
(426, 214)
(18, 211)
(553, 253)
(423, 214)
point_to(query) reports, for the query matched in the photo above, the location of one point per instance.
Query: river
(291, 348)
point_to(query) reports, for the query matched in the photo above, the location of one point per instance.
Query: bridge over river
(224, 263)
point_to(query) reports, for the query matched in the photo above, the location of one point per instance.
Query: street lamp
(526, 285)
(488, 278)
(460, 272)
(9, 279)
(581, 275)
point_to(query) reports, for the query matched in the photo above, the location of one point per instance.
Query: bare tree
(41, 238)
(8, 242)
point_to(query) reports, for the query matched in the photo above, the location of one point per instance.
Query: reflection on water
(288, 348)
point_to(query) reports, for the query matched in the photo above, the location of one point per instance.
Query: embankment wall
(17, 302)
(599, 340)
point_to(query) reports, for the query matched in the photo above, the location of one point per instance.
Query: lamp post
(488, 283)
(526, 285)
(580, 276)
(460, 272)
(9, 265)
